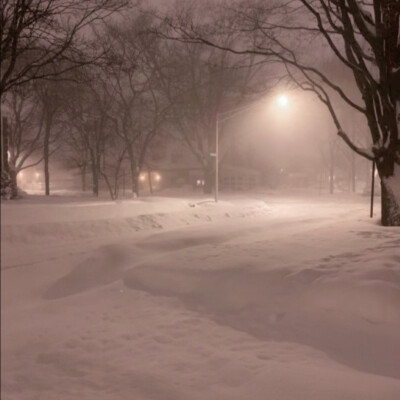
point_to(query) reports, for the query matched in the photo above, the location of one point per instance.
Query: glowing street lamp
(283, 102)
(157, 177)
(142, 177)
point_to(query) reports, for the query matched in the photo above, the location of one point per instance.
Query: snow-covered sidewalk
(271, 298)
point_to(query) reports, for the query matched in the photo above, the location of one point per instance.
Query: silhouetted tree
(36, 34)
(25, 132)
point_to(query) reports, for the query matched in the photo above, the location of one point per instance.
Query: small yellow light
(157, 177)
(37, 174)
(142, 178)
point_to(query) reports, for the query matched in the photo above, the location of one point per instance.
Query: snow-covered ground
(270, 297)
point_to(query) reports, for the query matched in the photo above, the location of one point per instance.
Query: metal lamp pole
(216, 159)
(371, 214)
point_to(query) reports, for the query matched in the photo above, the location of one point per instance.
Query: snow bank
(27, 222)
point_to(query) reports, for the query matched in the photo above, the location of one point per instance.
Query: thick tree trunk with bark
(390, 205)
(389, 172)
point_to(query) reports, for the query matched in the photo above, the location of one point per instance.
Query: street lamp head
(282, 100)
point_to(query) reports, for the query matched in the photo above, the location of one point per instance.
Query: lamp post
(216, 158)
(282, 102)
(371, 212)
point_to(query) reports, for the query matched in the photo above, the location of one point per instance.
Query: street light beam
(282, 101)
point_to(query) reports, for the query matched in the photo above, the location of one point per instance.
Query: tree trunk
(113, 193)
(149, 179)
(4, 146)
(135, 181)
(46, 170)
(389, 172)
(46, 156)
(390, 206)
(83, 177)
(95, 179)
(134, 171)
(14, 186)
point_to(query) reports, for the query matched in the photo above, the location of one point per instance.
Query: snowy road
(275, 298)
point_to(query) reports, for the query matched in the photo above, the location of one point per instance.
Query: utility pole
(123, 182)
(216, 159)
(371, 214)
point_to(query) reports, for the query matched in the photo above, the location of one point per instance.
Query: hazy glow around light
(142, 177)
(282, 101)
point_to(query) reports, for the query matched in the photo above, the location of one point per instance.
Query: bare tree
(50, 98)
(25, 132)
(86, 123)
(38, 33)
(139, 107)
(76, 153)
(90, 138)
(207, 82)
(364, 36)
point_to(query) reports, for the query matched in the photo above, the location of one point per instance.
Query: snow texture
(275, 297)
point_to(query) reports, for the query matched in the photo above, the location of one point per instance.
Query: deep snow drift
(265, 298)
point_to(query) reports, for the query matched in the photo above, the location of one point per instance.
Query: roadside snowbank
(32, 222)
